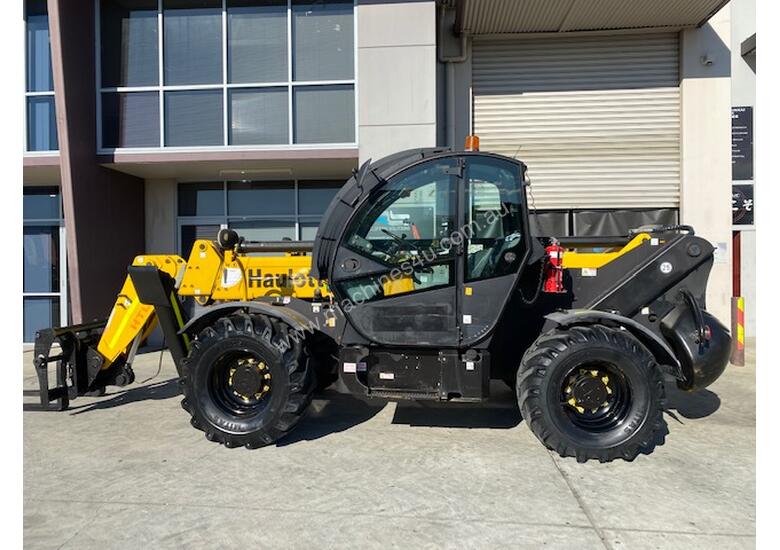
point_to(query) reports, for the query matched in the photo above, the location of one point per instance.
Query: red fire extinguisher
(553, 275)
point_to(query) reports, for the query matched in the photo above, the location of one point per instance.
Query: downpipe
(449, 62)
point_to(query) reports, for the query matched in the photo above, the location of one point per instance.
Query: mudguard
(663, 354)
(205, 317)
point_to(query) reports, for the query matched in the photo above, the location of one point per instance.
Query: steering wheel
(401, 240)
(498, 250)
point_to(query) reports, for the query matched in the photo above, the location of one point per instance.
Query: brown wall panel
(104, 209)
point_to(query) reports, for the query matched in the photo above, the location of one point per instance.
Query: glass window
(40, 313)
(192, 38)
(258, 116)
(309, 228)
(192, 233)
(324, 114)
(258, 210)
(494, 219)
(314, 197)
(41, 124)
(201, 199)
(129, 43)
(41, 267)
(323, 40)
(41, 203)
(43, 254)
(193, 117)
(261, 198)
(265, 230)
(39, 76)
(257, 40)
(411, 215)
(131, 119)
(247, 49)
(374, 287)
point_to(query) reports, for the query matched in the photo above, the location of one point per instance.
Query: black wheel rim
(595, 396)
(241, 382)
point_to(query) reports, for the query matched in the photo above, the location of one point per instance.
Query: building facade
(743, 115)
(151, 123)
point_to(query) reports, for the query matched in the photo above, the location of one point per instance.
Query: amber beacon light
(472, 143)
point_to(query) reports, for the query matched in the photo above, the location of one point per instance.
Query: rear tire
(615, 413)
(261, 404)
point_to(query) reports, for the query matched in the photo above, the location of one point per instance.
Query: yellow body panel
(578, 260)
(202, 270)
(129, 316)
(213, 275)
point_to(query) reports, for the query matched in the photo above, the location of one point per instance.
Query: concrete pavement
(127, 471)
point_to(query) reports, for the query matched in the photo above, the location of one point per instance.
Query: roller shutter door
(597, 119)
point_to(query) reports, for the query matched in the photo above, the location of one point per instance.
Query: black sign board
(742, 204)
(741, 143)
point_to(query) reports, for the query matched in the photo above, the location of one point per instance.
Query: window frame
(62, 293)
(224, 220)
(373, 274)
(369, 205)
(161, 88)
(28, 94)
(468, 211)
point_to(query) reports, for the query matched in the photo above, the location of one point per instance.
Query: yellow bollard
(738, 331)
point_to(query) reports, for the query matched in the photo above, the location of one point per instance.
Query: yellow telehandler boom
(211, 274)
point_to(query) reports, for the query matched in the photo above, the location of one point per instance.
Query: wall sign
(741, 143)
(742, 204)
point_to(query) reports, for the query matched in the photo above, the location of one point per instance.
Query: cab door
(396, 271)
(495, 237)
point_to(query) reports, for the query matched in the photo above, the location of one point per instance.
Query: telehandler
(424, 282)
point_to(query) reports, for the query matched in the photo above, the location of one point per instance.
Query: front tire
(592, 392)
(241, 385)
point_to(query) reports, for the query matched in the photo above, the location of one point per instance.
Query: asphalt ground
(127, 470)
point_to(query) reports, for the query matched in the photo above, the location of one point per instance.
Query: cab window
(410, 216)
(494, 218)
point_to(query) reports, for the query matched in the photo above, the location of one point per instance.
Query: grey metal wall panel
(523, 16)
(597, 119)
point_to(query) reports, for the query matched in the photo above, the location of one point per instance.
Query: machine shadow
(691, 405)
(156, 391)
(498, 412)
(331, 412)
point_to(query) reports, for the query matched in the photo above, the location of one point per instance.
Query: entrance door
(396, 270)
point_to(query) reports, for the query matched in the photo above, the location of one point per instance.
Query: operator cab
(426, 247)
